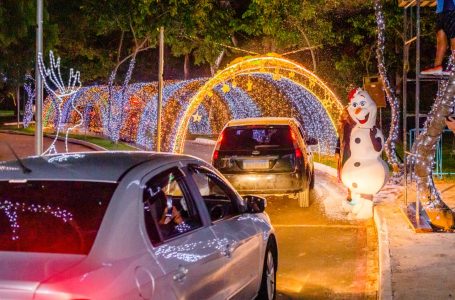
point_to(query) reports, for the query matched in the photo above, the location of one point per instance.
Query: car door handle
(181, 274)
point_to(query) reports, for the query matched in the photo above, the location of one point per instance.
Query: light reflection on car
(139, 225)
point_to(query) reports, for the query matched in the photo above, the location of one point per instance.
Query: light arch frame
(268, 64)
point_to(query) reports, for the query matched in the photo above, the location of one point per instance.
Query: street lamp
(38, 80)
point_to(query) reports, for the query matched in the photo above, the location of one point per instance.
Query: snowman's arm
(376, 140)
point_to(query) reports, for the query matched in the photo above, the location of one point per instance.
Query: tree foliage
(335, 38)
(17, 40)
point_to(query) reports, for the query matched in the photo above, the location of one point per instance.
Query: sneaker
(437, 70)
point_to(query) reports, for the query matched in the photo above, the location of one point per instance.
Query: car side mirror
(311, 141)
(255, 204)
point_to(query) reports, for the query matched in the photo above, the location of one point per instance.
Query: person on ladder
(445, 29)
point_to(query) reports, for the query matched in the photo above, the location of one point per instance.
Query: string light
(260, 64)
(29, 90)
(58, 91)
(240, 91)
(424, 147)
(390, 143)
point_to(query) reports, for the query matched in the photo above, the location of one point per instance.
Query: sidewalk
(412, 265)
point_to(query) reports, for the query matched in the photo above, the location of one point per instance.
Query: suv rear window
(52, 216)
(256, 137)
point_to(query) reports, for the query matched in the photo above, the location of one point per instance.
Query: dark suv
(266, 156)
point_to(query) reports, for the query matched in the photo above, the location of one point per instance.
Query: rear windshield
(256, 137)
(52, 216)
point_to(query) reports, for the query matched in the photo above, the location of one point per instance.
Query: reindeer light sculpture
(57, 89)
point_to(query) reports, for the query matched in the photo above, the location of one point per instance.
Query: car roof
(261, 121)
(83, 166)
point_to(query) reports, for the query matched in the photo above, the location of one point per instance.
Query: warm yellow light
(272, 64)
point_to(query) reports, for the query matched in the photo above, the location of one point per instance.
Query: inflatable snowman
(364, 172)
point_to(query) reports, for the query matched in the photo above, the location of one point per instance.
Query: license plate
(255, 164)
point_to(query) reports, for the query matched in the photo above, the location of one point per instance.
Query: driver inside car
(172, 222)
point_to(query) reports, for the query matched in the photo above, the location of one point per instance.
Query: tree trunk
(438, 212)
(18, 102)
(214, 67)
(313, 55)
(186, 67)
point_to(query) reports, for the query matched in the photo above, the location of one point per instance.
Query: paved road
(24, 146)
(322, 255)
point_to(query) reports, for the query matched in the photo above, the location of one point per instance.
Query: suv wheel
(304, 196)
(312, 180)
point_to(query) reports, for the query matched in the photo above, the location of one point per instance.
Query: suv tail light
(217, 147)
(215, 155)
(297, 152)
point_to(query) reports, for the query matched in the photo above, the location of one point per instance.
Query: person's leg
(441, 47)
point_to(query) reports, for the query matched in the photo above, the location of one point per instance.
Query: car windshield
(52, 216)
(256, 137)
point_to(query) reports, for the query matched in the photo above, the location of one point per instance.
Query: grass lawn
(99, 141)
(6, 113)
(328, 160)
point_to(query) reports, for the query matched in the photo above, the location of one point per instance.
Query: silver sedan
(130, 225)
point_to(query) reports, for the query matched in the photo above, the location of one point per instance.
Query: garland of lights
(58, 91)
(390, 143)
(116, 103)
(272, 64)
(310, 113)
(425, 145)
(273, 87)
(29, 90)
(239, 103)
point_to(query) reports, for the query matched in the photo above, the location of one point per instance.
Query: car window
(256, 137)
(52, 216)
(168, 210)
(216, 195)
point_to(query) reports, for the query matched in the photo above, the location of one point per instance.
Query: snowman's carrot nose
(357, 110)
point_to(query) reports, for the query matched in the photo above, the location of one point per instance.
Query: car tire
(267, 291)
(304, 196)
(312, 180)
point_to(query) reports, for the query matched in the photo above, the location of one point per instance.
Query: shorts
(446, 21)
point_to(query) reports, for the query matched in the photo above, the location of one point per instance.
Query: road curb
(385, 272)
(70, 140)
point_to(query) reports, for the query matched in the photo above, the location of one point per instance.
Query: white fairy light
(59, 91)
(29, 90)
(424, 147)
(390, 143)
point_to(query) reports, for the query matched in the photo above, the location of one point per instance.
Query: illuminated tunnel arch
(272, 64)
(249, 87)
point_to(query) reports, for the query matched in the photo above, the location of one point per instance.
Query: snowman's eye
(354, 105)
(363, 103)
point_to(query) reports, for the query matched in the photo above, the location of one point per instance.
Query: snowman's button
(356, 164)
(357, 140)
(354, 185)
